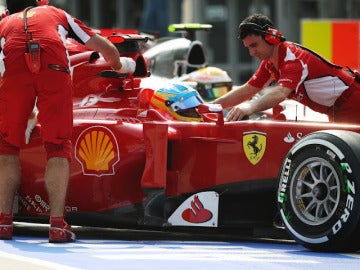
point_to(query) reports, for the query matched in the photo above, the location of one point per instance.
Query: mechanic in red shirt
(299, 74)
(34, 65)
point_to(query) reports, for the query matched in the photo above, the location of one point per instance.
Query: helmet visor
(186, 103)
(213, 91)
(189, 113)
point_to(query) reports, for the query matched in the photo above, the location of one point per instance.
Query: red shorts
(347, 108)
(18, 93)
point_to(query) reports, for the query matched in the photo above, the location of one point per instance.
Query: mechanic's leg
(9, 183)
(16, 102)
(54, 102)
(57, 178)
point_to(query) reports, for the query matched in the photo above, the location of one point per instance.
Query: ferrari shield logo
(254, 145)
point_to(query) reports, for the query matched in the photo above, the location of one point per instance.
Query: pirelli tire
(319, 191)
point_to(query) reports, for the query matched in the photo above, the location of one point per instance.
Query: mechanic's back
(34, 67)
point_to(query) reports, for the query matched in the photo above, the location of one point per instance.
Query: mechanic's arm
(272, 97)
(106, 48)
(111, 54)
(237, 95)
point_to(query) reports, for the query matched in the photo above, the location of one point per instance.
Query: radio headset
(32, 47)
(271, 35)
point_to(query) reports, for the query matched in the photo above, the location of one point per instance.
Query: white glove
(30, 126)
(128, 65)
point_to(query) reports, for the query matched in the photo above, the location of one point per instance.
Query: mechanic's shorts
(18, 92)
(347, 109)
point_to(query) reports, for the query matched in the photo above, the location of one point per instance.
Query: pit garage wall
(336, 40)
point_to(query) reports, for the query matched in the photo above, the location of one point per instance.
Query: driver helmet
(211, 82)
(178, 101)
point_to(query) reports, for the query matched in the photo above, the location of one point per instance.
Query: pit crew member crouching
(296, 72)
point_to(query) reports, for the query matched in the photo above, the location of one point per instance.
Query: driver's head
(179, 101)
(14, 6)
(211, 82)
(256, 24)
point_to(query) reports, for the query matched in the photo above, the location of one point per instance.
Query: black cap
(14, 6)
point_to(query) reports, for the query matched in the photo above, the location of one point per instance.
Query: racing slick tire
(319, 191)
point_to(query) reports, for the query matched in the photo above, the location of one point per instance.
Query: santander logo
(200, 209)
(196, 213)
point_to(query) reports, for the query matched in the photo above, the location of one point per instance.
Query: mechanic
(288, 70)
(34, 64)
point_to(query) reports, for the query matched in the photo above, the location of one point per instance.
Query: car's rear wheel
(319, 191)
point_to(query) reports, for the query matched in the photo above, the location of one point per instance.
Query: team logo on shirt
(254, 145)
(29, 14)
(97, 151)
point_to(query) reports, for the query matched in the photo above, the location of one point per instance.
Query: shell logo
(97, 151)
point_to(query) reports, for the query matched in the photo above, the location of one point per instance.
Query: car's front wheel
(319, 191)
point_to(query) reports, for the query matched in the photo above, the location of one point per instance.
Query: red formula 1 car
(133, 167)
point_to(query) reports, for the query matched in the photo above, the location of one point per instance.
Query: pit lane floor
(125, 249)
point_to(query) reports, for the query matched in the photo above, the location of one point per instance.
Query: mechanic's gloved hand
(128, 65)
(30, 126)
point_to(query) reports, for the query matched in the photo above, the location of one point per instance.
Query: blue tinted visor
(212, 91)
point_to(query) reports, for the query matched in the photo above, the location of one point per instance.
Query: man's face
(258, 47)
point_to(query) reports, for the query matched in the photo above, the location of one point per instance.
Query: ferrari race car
(135, 167)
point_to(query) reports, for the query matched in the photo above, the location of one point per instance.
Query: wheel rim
(315, 191)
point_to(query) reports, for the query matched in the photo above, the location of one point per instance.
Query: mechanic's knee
(7, 148)
(59, 150)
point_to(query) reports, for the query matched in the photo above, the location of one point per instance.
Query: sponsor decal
(289, 138)
(200, 209)
(89, 101)
(299, 96)
(254, 145)
(36, 203)
(39, 204)
(197, 213)
(92, 100)
(97, 151)
(350, 190)
(283, 180)
(285, 80)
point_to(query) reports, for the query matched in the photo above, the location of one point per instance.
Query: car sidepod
(319, 195)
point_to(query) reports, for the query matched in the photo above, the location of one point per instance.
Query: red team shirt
(316, 83)
(52, 42)
(19, 88)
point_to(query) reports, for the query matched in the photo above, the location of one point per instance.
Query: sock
(57, 221)
(6, 219)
